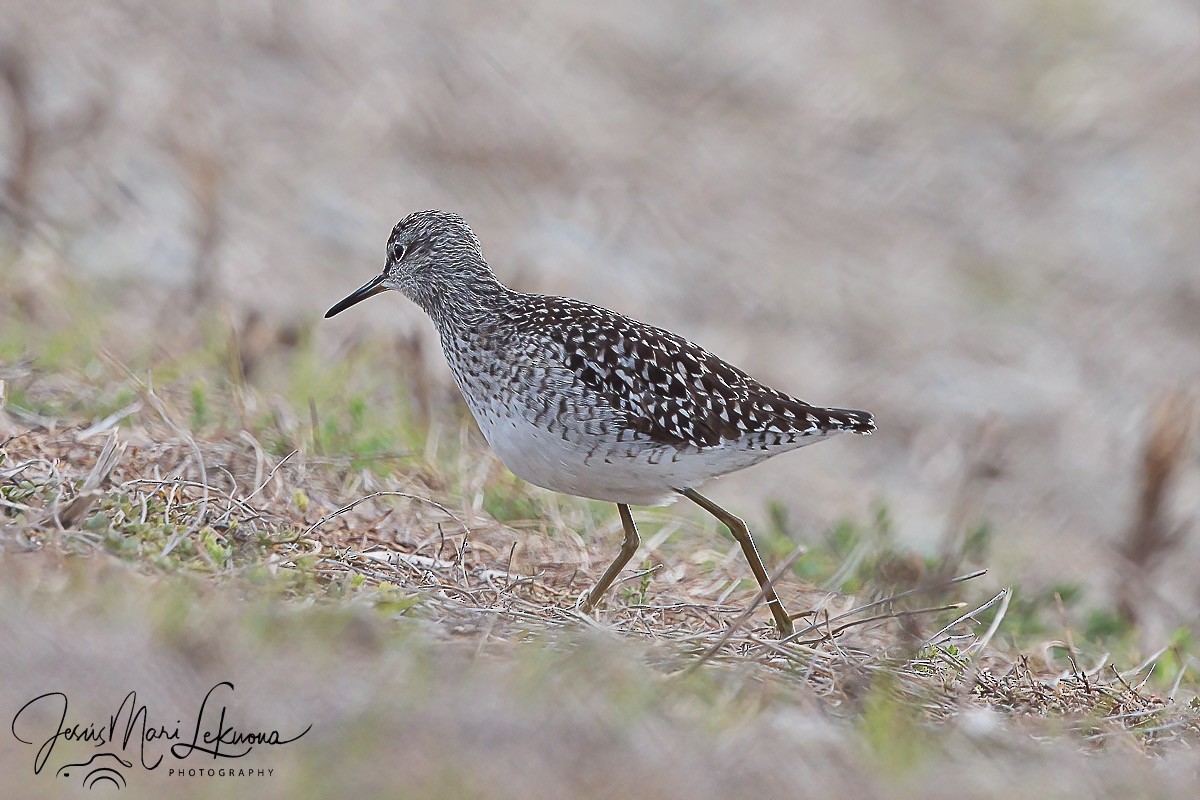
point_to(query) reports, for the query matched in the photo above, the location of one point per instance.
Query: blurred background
(979, 220)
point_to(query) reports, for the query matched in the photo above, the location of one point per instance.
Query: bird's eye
(398, 252)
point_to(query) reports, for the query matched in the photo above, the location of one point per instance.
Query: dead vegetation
(1153, 534)
(334, 500)
(35, 139)
(139, 486)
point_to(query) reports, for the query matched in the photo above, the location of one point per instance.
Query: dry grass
(1153, 535)
(139, 487)
(376, 573)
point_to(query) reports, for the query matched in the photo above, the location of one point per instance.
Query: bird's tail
(845, 419)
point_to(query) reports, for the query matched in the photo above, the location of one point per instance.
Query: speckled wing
(672, 391)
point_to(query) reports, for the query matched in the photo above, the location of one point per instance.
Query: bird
(585, 401)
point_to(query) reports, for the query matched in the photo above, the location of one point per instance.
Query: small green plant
(507, 500)
(199, 406)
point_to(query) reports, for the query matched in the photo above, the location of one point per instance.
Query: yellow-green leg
(628, 548)
(742, 534)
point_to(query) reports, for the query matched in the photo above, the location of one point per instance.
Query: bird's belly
(636, 473)
(578, 451)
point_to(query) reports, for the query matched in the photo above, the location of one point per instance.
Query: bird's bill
(369, 289)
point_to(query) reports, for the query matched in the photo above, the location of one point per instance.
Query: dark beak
(369, 289)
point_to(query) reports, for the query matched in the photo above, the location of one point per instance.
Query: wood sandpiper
(582, 400)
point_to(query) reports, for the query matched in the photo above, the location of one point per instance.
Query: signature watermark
(131, 738)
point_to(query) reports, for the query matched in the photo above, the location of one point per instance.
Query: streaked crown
(431, 254)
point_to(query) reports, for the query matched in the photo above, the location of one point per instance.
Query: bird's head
(428, 253)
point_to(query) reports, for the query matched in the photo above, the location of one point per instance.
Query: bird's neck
(465, 300)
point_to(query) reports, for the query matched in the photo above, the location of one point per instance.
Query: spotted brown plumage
(672, 390)
(585, 401)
